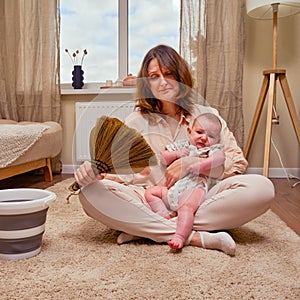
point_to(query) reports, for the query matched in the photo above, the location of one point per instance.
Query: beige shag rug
(81, 260)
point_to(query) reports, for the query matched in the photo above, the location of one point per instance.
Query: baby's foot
(177, 242)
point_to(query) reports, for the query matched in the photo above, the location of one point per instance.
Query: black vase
(77, 77)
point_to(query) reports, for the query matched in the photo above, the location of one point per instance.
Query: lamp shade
(262, 9)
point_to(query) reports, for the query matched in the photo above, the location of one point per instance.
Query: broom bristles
(118, 149)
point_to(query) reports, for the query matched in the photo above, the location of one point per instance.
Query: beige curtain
(29, 60)
(212, 42)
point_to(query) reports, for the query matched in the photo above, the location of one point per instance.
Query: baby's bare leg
(189, 202)
(155, 196)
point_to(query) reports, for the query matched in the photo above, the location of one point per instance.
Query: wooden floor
(286, 203)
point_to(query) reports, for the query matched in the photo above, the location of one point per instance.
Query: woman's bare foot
(221, 241)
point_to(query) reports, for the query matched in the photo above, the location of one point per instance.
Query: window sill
(95, 89)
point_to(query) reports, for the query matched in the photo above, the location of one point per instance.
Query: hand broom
(116, 148)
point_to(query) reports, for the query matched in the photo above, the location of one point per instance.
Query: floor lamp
(272, 9)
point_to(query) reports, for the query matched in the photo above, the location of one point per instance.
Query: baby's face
(205, 134)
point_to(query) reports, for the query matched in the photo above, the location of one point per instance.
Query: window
(151, 23)
(110, 29)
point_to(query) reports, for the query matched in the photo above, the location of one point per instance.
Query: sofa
(38, 155)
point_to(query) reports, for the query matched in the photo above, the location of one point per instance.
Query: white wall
(258, 57)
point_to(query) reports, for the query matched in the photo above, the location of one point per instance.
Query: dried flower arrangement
(75, 56)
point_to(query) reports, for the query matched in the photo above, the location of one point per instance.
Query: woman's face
(162, 83)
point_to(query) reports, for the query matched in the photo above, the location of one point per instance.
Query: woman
(165, 107)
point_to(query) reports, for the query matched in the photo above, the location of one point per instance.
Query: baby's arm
(214, 161)
(167, 157)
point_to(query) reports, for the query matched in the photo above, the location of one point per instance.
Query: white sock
(125, 237)
(220, 241)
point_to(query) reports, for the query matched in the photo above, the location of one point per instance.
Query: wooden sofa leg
(48, 171)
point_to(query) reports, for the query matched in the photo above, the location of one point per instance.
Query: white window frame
(122, 50)
(123, 39)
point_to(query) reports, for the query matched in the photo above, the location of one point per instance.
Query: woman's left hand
(178, 169)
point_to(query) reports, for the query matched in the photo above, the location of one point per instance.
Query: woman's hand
(85, 175)
(195, 165)
(179, 168)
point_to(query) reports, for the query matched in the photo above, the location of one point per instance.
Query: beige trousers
(229, 204)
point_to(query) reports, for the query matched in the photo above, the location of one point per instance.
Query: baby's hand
(183, 152)
(163, 160)
(146, 171)
(167, 157)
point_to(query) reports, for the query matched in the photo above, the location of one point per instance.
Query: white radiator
(86, 116)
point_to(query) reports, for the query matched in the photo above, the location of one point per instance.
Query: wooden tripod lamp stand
(272, 9)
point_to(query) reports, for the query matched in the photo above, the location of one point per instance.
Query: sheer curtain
(29, 60)
(212, 42)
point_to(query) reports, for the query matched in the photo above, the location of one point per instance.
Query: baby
(187, 194)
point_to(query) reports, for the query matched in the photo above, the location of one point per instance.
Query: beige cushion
(49, 145)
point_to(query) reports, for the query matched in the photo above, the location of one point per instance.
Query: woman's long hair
(168, 59)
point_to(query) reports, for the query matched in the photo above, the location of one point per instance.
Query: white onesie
(190, 181)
